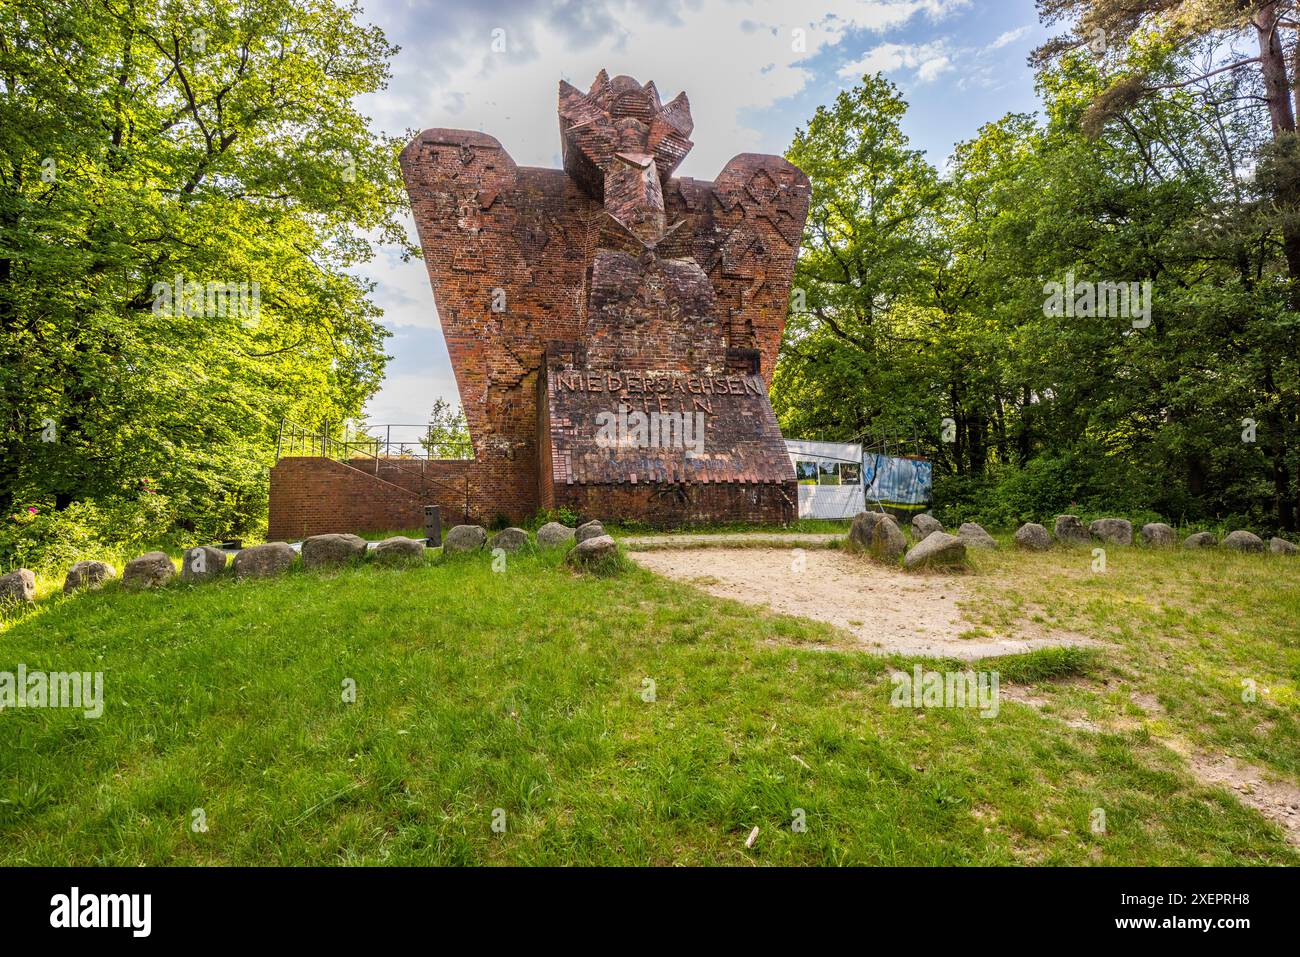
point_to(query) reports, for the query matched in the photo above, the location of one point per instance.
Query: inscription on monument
(658, 390)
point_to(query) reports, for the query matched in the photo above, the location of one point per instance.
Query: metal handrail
(301, 437)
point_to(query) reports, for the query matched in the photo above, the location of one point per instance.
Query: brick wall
(683, 504)
(315, 496)
(312, 496)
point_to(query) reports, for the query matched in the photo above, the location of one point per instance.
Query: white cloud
(402, 289)
(408, 398)
(1008, 38)
(929, 60)
(933, 68)
(730, 57)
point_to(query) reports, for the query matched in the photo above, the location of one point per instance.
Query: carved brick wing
(747, 244)
(463, 187)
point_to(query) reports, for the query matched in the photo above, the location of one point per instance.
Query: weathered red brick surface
(312, 496)
(656, 293)
(315, 495)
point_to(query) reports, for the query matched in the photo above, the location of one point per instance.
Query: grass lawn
(525, 690)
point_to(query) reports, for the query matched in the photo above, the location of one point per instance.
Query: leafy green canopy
(922, 297)
(214, 141)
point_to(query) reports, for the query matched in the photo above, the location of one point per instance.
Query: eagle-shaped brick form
(613, 328)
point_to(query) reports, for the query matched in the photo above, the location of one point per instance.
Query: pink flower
(31, 509)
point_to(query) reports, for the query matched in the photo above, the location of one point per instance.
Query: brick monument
(613, 328)
(612, 290)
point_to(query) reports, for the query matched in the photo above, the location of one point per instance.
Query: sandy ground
(887, 611)
(891, 611)
(776, 538)
(1272, 795)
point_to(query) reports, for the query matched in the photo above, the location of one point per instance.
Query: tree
(1149, 46)
(153, 155)
(447, 436)
(850, 340)
(1094, 409)
(1139, 36)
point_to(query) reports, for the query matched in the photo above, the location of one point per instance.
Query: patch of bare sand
(1272, 795)
(886, 610)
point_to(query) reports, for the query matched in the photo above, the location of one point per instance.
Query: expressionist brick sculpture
(613, 328)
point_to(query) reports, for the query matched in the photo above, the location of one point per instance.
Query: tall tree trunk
(1024, 437)
(1277, 452)
(1295, 74)
(1282, 492)
(976, 427)
(1279, 87)
(13, 421)
(1277, 83)
(1000, 425)
(957, 443)
(1195, 476)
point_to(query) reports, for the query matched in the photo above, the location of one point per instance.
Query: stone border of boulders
(588, 547)
(878, 534)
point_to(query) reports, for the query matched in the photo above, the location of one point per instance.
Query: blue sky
(494, 65)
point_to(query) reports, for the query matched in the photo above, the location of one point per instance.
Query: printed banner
(901, 481)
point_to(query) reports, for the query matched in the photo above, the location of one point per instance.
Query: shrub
(45, 538)
(564, 515)
(1080, 481)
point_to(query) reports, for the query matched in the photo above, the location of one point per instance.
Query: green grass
(415, 533)
(1044, 664)
(525, 690)
(1187, 628)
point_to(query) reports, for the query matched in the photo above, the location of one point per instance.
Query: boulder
(1034, 537)
(202, 563)
(887, 541)
(975, 536)
(592, 550)
(924, 525)
(1200, 540)
(90, 574)
(589, 530)
(19, 586)
(553, 535)
(1158, 535)
(509, 539)
(401, 550)
(937, 549)
(323, 551)
(1069, 530)
(1243, 541)
(1280, 546)
(463, 538)
(864, 523)
(148, 571)
(264, 561)
(1112, 531)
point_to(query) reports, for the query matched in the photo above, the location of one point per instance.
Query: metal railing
(411, 458)
(295, 439)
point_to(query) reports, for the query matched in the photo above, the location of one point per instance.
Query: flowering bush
(42, 538)
(24, 516)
